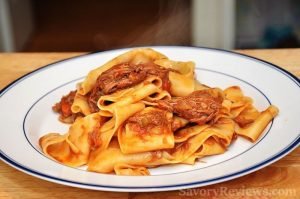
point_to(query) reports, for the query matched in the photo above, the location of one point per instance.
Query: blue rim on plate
(262, 164)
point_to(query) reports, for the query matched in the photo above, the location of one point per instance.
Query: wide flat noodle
(223, 132)
(134, 139)
(255, 129)
(185, 133)
(250, 122)
(184, 68)
(128, 96)
(105, 161)
(182, 81)
(239, 102)
(72, 148)
(130, 170)
(181, 85)
(209, 147)
(80, 105)
(120, 115)
(159, 95)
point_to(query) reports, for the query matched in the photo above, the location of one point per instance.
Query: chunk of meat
(64, 108)
(199, 107)
(118, 77)
(123, 76)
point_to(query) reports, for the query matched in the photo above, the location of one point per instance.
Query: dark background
(96, 25)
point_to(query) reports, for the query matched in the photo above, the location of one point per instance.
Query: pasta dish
(142, 110)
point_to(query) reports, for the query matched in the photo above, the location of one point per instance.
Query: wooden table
(280, 177)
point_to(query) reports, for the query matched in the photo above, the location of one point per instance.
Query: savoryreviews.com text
(239, 192)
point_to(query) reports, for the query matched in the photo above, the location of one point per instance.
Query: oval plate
(26, 115)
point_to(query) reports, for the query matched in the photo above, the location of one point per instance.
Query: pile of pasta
(133, 128)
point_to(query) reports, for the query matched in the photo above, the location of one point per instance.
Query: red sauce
(94, 138)
(143, 123)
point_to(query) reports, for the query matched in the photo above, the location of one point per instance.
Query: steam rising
(169, 26)
(172, 26)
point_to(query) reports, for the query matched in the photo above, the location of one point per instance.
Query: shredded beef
(123, 76)
(199, 107)
(64, 108)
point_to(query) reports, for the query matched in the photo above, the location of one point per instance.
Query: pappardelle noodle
(142, 110)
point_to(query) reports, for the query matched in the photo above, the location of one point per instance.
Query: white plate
(26, 115)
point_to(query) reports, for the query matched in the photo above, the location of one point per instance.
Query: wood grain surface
(278, 180)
